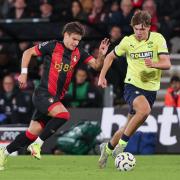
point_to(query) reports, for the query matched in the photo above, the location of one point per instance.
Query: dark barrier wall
(163, 121)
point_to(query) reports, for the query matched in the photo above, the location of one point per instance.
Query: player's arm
(164, 62)
(119, 50)
(24, 65)
(107, 63)
(43, 48)
(26, 57)
(103, 48)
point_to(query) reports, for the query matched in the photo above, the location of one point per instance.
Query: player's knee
(36, 131)
(144, 112)
(147, 111)
(63, 115)
(35, 128)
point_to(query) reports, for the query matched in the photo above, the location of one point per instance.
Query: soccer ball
(125, 161)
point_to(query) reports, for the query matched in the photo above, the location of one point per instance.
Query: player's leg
(25, 138)
(142, 109)
(140, 102)
(59, 115)
(22, 140)
(118, 134)
(106, 149)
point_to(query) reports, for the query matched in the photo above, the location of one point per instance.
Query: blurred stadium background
(95, 114)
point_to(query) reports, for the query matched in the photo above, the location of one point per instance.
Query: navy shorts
(131, 92)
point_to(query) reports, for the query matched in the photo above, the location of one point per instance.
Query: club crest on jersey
(142, 55)
(150, 44)
(75, 58)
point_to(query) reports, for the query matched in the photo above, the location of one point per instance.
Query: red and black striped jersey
(59, 64)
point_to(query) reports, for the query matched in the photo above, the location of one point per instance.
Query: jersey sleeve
(162, 45)
(45, 48)
(120, 49)
(85, 56)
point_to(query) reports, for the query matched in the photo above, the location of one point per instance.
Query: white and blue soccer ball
(125, 161)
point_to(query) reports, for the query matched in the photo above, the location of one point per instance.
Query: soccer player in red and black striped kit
(60, 59)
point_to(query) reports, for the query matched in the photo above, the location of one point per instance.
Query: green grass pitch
(156, 167)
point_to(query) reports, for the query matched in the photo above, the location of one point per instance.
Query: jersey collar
(148, 36)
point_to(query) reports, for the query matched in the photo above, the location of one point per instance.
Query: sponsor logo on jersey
(43, 44)
(63, 67)
(142, 55)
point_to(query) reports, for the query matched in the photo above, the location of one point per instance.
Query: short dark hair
(141, 17)
(74, 27)
(175, 79)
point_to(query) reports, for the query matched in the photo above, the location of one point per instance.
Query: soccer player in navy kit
(60, 59)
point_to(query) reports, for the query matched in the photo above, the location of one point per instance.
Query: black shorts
(42, 102)
(43, 119)
(131, 92)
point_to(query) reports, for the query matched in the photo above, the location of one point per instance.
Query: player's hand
(103, 48)
(102, 82)
(22, 79)
(148, 62)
